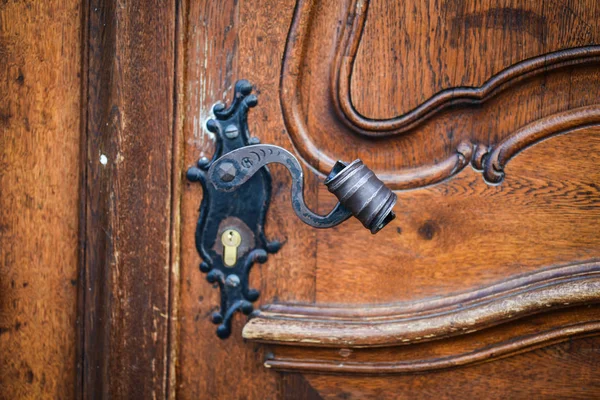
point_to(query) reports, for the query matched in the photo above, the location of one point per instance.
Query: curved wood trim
(344, 65)
(429, 174)
(295, 118)
(289, 90)
(488, 353)
(495, 161)
(420, 308)
(427, 320)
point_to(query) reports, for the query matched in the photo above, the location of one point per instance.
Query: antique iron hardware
(236, 183)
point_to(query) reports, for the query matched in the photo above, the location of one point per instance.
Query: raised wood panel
(422, 48)
(486, 259)
(453, 239)
(40, 107)
(428, 320)
(448, 122)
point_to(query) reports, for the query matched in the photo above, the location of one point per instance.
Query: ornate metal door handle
(237, 190)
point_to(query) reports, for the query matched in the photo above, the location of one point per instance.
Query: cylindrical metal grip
(359, 190)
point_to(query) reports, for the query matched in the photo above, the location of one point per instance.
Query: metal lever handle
(359, 191)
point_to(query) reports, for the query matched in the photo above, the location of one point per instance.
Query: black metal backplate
(244, 210)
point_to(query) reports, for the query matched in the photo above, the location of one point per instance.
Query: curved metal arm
(235, 168)
(357, 188)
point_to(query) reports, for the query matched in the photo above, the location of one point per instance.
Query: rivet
(227, 171)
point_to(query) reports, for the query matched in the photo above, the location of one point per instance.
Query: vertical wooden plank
(128, 207)
(40, 62)
(226, 41)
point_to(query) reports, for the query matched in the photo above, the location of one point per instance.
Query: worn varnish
(221, 40)
(485, 116)
(129, 140)
(40, 65)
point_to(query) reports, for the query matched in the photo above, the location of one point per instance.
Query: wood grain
(565, 370)
(174, 290)
(129, 139)
(469, 349)
(455, 49)
(512, 299)
(479, 82)
(463, 234)
(295, 386)
(451, 235)
(457, 111)
(494, 162)
(40, 102)
(224, 42)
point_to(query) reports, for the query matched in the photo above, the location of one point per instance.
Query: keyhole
(231, 240)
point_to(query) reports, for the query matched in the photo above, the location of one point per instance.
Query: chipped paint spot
(103, 159)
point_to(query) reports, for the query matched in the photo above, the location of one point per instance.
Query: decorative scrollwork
(220, 211)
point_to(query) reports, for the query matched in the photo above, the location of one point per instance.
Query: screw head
(231, 132)
(232, 280)
(227, 171)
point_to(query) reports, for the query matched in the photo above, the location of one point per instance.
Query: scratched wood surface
(227, 41)
(127, 224)
(40, 65)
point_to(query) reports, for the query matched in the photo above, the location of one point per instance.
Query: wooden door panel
(483, 111)
(484, 116)
(226, 41)
(463, 234)
(128, 160)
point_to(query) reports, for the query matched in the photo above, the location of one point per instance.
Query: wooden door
(483, 116)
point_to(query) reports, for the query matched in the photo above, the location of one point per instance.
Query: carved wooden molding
(344, 65)
(495, 351)
(427, 320)
(495, 159)
(295, 116)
